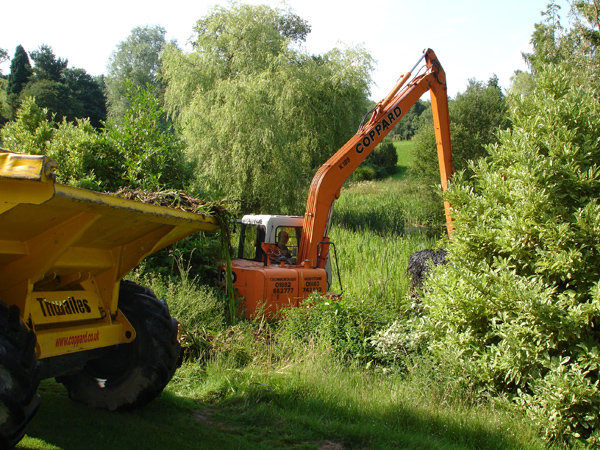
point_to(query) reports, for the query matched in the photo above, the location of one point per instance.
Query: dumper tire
(133, 374)
(19, 377)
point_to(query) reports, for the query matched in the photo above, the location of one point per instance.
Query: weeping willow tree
(258, 113)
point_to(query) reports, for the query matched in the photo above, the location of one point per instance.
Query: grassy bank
(297, 399)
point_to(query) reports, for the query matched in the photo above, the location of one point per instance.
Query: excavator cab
(268, 276)
(260, 231)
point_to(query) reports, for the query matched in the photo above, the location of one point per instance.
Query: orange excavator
(283, 259)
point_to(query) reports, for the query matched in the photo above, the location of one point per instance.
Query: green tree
(68, 93)
(257, 113)
(140, 153)
(546, 40)
(20, 72)
(88, 96)
(4, 108)
(53, 95)
(576, 44)
(521, 83)
(137, 59)
(407, 127)
(46, 65)
(3, 57)
(476, 115)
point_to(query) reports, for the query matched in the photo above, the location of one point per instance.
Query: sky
(473, 39)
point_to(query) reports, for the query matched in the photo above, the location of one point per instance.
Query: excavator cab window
(288, 239)
(251, 238)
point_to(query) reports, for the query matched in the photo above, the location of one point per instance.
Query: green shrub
(384, 157)
(379, 164)
(517, 309)
(141, 153)
(365, 173)
(196, 256)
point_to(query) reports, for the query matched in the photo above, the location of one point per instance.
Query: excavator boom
(326, 185)
(265, 278)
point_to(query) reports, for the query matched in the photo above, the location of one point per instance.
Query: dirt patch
(330, 445)
(203, 415)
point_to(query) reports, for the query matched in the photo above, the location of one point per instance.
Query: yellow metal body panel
(62, 244)
(21, 166)
(69, 339)
(54, 307)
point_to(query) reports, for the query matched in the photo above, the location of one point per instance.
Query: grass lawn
(405, 157)
(298, 404)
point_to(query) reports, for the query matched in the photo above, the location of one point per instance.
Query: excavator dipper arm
(327, 183)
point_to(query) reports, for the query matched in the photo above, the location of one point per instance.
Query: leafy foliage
(380, 163)
(577, 44)
(345, 326)
(258, 115)
(46, 65)
(521, 83)
(87, 96)
(475, 117)
(68, 93)
(138, 154)
(408, 126)
(517, 309)
(3, 57)
(150, 155)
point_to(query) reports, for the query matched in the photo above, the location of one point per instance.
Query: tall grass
(389, 207)
(373, 267)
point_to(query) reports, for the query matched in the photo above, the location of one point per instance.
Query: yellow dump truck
(64, 310)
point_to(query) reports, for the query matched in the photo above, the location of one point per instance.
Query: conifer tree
(20, 72)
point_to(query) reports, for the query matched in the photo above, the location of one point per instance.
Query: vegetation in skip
(499, 350)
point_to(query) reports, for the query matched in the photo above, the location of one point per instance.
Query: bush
(365, 173)
(385, 157)
(141, 153)
(517, 309)
(379, 164)
(475, 117)
(196, 256)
